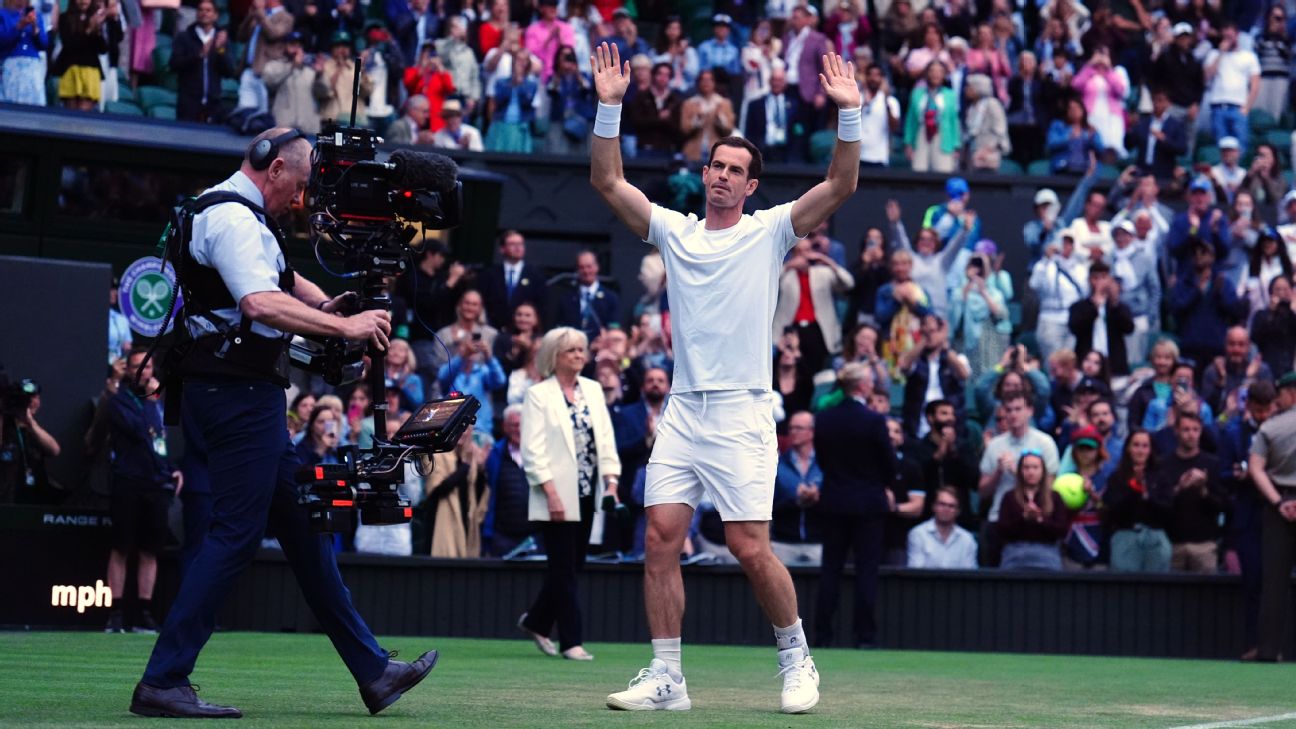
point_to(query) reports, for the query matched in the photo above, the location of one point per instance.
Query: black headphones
(262, 153)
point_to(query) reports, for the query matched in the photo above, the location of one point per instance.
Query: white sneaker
(800, 686)
(654, 689)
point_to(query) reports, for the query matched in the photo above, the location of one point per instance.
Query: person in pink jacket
(1103, 86)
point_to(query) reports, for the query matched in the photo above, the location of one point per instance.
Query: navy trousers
(843, 534)
(251, 464)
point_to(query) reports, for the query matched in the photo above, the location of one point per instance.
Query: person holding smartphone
(323, 434)
(23, 78)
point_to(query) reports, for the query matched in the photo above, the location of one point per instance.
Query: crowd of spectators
(1146, 345)
(948, 85)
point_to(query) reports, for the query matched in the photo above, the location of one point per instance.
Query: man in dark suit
(1160, 139)
(511, 282)
(413, 23)
(803, 51)
(587, 306)
(200, 58)
(770, 121)
(635, 428)
(1103, 305)
(858, 463)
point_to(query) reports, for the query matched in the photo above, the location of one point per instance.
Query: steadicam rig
(365, 213)
(366, 482)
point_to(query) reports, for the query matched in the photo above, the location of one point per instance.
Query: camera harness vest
(236, 351)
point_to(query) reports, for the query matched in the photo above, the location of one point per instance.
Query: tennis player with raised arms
(716, 437)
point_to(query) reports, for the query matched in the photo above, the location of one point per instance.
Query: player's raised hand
(838, 81)
(611, 77)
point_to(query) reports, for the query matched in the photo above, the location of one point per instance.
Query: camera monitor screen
(429, 419)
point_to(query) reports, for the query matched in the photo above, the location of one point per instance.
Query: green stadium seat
(151, 96)
(125, 108)
(163, 112)
(229, 90)
(51, 91)
(1280, 138)
(1108, 172)
(1040, 168)
(822, 144)
(1009, 167)
(1261, 121)
(1209, 155)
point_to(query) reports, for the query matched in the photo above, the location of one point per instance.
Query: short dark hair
(663, 64)
(753, 169)
(1100, 401)
(1262, 392)
(1017, 395)
(930, 409)
(508, 233)
(1100, 268)
(1182, 415)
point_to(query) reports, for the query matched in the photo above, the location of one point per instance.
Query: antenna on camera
(355, 88)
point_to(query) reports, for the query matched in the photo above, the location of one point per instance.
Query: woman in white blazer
(567, 449)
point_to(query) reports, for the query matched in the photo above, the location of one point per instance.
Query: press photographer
(241, 298)
(24, 445)
(144, 480)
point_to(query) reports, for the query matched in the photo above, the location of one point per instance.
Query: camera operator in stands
(240, 299)
(24, 445)
(143, 481)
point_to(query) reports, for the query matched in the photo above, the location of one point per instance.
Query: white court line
(1240, 722)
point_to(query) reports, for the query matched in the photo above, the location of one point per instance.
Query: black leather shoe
(398, 678)
(181, 702)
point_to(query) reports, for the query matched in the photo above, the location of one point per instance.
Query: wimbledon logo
(146, 295)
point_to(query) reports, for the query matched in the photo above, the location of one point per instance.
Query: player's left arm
(822, 200)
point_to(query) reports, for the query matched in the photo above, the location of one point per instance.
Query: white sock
(667, 650)
(791, 643)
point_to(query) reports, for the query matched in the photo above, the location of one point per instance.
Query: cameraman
(24, 447)
(233, 393)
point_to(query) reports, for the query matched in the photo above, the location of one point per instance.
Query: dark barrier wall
(55, 331)
(1082, 613)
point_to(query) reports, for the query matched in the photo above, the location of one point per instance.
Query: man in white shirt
(940, 543)
(1233, 75)
(716, 438)
(881, 118)
(999, 465)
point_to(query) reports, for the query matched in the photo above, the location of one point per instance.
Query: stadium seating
(127, 108)
(1039, 167)
(151, 96)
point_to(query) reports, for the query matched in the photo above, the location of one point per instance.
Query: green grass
(85, 680)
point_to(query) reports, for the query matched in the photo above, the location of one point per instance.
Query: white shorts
(720, 444)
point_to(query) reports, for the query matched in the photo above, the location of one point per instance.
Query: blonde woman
(401, 366)
(570, 459)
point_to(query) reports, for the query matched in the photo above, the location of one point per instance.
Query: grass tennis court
(279, 680)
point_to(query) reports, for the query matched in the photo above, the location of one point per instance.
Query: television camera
(364, 213)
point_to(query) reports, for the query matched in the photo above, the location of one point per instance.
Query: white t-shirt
(723, 286)
(875, 142)
(1232, 82)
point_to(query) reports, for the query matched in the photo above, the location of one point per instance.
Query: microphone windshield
(424, 170)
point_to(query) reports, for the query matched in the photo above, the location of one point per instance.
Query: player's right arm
(611, 78)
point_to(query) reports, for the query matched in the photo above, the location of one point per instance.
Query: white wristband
(607, 122)
(850, 126)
